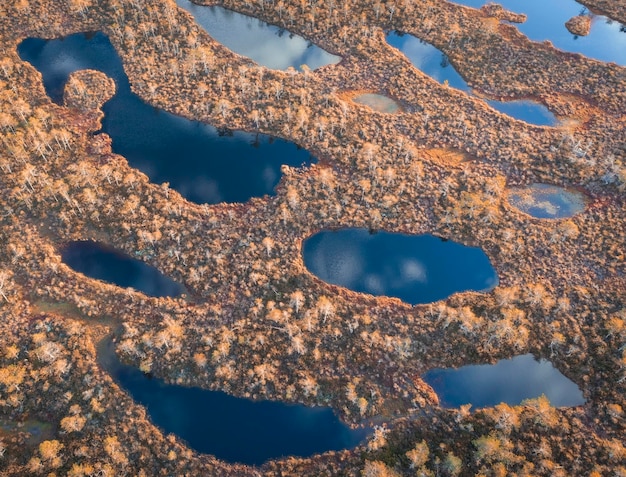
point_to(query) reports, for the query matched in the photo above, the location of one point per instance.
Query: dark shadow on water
(197, 161)
(107, 264)
(232, 429)
(510, 381)
(417, 269)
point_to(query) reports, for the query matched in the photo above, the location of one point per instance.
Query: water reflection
(509, 380)
(416, 269)
(546, 21)
(427, 59)
(546, 201)
(266, 44)
(377, 102)
(198, 162)
(435, 64)
(525, 110)
(232, 429)
(107, 264)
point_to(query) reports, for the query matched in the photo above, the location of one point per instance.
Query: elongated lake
(266, 44)
(232, 429)
(199, 162)
(433, 62)
(509, 380)
(101, 262)
(416, 269)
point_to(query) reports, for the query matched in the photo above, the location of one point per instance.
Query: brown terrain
(256, 323)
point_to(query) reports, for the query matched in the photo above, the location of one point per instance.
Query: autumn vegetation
(255, 322)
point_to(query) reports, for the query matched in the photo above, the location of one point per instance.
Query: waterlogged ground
(256, 323)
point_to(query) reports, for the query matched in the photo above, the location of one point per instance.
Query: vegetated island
(255, 322)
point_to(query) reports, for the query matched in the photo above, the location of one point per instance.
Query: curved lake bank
(230, 428)
(415, 268)
(105, 263)
(545, 201)
(546, 21)
(197, 161)
(265, 44)
(433, 62)
(510, 381)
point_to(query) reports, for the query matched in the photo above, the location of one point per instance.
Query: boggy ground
(256, 322)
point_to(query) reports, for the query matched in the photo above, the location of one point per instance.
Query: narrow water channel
(105, 263)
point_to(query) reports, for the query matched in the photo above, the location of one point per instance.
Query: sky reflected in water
(546, 21)
(509, 380)
(265, 44)
(193, 157)
(416, 269)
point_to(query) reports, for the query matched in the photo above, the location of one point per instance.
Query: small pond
(202, 164)
(108, 264)
(433, 62)
(546, 201)
(546, 21)
(525, 110)
(230, 428)
(509, 381)
(377, 102)
(415, 268)
(266, 44)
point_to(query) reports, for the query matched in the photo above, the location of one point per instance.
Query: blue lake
(546, 21)
(416, 269)
(199, 162)
(525, 110)
(433, 62)
(110, 265)
(509, 381)
(266, 44)
(546, 201)
(232, 429)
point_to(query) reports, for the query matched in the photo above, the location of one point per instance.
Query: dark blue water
(107, 264)
(198, 162)
(509, 381)
(416, 269)
(546, 21)
(433, 62)
(266, 44)
(546, 201)
(232, 429)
